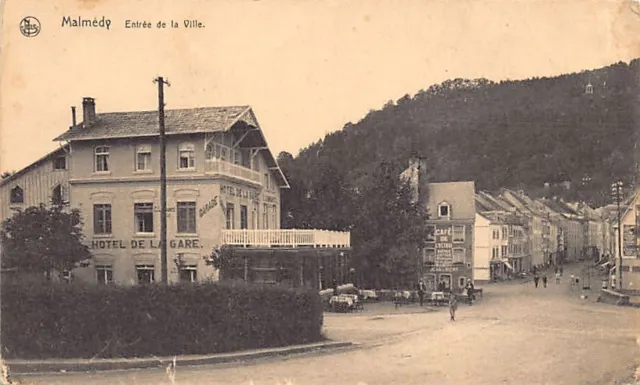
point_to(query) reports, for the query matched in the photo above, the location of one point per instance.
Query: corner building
(221, 177)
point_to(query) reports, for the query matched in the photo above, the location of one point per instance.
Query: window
(143, 158)
(187, 217)
(254, 216)
(104, 274)
(143, 213)
(429, 256)
(444, 210)
(458, 255)
(462, 281)
(230, 216)
(274, 217)
(504, 251)
(458, 234)
(189, 273)
(145, 273)
(267, 181)
(102, 219)
(265, 216)
(102, 159)
(243, 217)
(187, 154)
(60, 163)
(495, 253)
(431, 233)
(496, 234)
(17, 195)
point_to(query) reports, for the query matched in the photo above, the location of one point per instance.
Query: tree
(43, 240)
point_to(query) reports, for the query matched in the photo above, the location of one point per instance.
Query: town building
(448, 255)
(223, 196)
(630, 237)
(500, 239)
(44, 181)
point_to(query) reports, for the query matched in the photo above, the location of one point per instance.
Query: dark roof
(145, 123)
(57, 152)
(113, 125)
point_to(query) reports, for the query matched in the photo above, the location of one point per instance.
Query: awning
(508, 265)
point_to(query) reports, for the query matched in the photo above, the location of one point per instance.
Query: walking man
(421, 290)
(453, 306)
(544, 280)
(536, 279)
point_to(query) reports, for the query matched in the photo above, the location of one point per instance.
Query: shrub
(50, 320)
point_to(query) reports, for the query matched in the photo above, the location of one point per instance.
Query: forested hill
(515, 134)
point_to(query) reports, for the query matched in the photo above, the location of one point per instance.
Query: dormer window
(444, 210)
(17, 195)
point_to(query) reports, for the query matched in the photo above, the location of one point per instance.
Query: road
(516, 334)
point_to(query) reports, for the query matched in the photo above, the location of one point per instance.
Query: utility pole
(616, 190)
(163, 180)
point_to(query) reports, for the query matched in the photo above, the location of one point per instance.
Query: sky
(306, 67)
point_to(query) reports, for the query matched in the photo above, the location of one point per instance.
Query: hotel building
(223, 192)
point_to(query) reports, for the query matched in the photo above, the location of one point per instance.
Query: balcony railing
(286, 238)
(220, 167)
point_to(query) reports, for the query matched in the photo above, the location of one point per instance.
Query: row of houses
(480, 236)
(223, 195)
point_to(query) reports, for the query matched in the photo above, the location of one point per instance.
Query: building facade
(223, 191)
(630, 269)
(449, 254)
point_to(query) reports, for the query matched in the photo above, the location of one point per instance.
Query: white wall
(482, 248)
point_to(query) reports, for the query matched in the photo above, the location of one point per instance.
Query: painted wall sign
(239, 192)
(207, 207)
(145, 244)
(629, 241)
(444, 248)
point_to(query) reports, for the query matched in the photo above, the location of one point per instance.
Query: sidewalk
(22, 367)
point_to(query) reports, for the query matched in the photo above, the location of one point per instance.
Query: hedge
(80, 321)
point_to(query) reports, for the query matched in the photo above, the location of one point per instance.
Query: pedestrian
(557, 278)
(453, 306)
(469, 293)
(556, 270)
(334, 283)
(421, 290)
(573, 280)
(544, 280)
(561, 271)
(535, 280)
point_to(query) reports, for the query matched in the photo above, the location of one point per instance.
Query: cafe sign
(629, 241)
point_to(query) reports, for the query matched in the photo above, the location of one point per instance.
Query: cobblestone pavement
(516, 334)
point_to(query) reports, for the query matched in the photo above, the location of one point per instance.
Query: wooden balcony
(286, 238)
(224, 168)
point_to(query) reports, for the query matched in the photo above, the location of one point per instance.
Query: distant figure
(534, 269)
(422, 288)
(335, 287)
(536, 279)
(557, 278)
(556, 270)
(544, 280)
(453, 306)
(573, 280)
(561, 271)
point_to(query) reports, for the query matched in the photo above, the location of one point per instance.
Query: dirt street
(517, 334)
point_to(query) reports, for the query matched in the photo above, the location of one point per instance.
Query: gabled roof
(460, 195)
(134, 124)
(57, 152)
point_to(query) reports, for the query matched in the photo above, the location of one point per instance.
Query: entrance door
(446, 278)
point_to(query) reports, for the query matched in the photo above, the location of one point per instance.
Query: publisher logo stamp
(30, 26)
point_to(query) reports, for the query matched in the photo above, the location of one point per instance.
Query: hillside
(515, 134)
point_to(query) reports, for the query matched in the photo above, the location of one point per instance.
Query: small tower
(588, 89)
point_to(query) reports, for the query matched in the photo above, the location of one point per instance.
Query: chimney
(88, 112)
(73, 117)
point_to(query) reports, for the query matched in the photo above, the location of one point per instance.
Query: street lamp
(616, 192)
